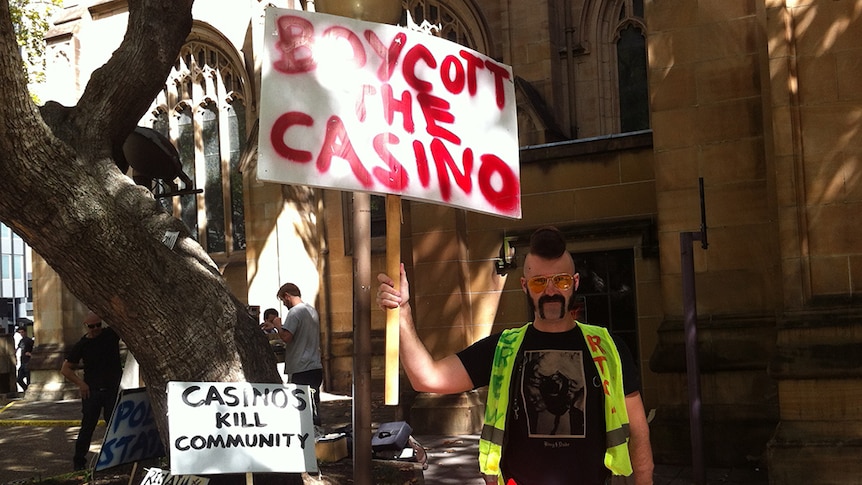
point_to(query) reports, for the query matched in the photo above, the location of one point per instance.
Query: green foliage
(30, 19)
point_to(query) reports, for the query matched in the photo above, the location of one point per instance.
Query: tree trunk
(62, 193)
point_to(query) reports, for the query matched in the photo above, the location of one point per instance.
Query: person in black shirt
(555, 406)
(99, 350)
(25, 345)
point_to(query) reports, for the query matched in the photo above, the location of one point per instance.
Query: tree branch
(12, 75)
(101, 233)
(109, 109)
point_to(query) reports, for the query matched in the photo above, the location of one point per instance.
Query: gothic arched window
(456, 20)
(632, 68)
(202, 110)
(627, 41)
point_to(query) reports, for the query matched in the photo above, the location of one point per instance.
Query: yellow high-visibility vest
(607, 361)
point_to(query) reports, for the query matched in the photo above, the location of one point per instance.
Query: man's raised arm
(444, 376)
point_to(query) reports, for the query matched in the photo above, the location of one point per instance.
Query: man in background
(24, 350)
(300, 332)
(269, 325)
(99, 350)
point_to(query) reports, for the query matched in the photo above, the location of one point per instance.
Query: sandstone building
(623, 105)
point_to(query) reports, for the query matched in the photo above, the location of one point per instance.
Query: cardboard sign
(132, 434)
(239, 427)
(157, 476)
(361, 106)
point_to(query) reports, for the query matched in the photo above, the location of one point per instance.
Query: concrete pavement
(37, 439)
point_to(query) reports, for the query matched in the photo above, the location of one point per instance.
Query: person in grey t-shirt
(300, 332)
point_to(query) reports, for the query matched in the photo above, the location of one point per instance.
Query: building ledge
(561, 150)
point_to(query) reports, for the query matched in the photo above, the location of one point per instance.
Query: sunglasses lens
(564, 281)
(537, 284)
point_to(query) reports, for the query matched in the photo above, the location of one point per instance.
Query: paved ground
(37, 438)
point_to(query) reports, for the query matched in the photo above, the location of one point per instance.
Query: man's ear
(577, 281)
(524, 285)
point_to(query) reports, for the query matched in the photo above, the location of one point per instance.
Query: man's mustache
(552, 299)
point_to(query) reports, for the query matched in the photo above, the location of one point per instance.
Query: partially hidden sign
(239, 427)
(132, 434)
(157, 476)
(360, 106)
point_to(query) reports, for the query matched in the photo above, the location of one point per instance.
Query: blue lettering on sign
(132, 434)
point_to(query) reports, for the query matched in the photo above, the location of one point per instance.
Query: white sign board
(361, 106)
(239, 427)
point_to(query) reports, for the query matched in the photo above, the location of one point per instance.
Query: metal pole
(361, 339)
(692, 365)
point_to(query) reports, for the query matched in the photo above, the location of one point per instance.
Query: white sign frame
(240, 427)
(361, 106)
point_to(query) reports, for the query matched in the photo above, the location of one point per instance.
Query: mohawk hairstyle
(547, 243)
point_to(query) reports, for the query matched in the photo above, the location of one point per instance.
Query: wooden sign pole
(393, 269)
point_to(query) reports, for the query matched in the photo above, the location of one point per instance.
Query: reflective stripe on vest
(607, 360)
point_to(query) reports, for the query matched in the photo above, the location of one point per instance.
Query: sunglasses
(563, 281)
(94, 325)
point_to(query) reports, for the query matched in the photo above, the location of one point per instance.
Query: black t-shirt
(101, 356)
(555, 433)
(26, 345)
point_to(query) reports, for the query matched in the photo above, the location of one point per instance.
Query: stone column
(57, 317)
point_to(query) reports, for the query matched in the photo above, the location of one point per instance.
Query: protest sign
(239, 427)
(132, 434)
(157, 476)
(371, 107)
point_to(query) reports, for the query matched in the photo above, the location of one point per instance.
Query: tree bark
(62, 193)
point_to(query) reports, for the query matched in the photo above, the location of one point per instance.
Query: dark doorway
(607, 293)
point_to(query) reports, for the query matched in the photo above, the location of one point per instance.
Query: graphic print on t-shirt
(554, 393)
